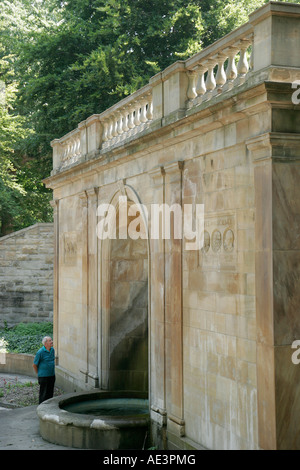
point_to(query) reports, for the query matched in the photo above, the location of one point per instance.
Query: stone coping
(13, 363)
(26, 229)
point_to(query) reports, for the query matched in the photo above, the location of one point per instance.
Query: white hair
(45, 339)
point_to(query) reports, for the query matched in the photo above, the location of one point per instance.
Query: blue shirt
(45, 362)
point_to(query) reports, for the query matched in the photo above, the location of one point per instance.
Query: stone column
(157, 308)
(85, 267)
(55, 206)
(173, 304)
(276, 158)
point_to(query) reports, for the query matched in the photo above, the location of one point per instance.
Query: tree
(23, 198)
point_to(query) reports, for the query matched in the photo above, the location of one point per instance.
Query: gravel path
(17, 391)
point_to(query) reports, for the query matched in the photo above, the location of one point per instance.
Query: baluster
(137, 120)
(149, 108)
(131, 118)
(77, 152)
(64, 154)
(105, 131)
(210, 79)
(119, 124)
(221, 75)
(201, 88)
(110, 128)
(74, 147)
(143, 116)
(251, 60)
(125, 120)
(114, 126)
(231, 71)
(243, 66)
(71, 153)
(68, 150)
(191, 91)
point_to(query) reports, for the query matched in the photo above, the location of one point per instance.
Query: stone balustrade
(128, 118)
(182, 87)
(102, 131)
(217, 72)
(66, 150)
(71, 147)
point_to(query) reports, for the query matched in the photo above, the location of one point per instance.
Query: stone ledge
(26, 229)
(17, 364)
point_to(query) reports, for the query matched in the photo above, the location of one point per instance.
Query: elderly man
(44, 366)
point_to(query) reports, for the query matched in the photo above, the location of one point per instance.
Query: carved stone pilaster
(55, 205)
(173, 305)
(276, 158)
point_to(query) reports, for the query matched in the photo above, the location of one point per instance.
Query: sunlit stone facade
(207, 332)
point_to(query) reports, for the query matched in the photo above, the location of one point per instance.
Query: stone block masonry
(26, 275)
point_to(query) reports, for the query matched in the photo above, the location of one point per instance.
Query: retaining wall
(26, 275)
(17, 364)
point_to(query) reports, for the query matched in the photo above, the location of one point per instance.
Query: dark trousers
(46, 388)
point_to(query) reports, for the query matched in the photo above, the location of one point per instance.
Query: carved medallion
(216, 241)
(228, 240)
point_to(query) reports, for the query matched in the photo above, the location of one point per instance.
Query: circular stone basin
(96, 420)
(110, 407)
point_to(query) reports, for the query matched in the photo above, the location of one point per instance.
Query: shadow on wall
(129, 343)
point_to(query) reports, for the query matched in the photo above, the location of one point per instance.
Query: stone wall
(26, 275)
(11, 363)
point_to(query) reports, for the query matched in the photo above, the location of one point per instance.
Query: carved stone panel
(219, 248)
(70, 248)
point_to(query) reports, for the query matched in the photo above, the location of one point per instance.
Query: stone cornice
(279, 146)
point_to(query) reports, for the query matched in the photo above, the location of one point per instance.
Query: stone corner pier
(207, 333)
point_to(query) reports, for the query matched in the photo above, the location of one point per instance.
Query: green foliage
(222, 16)
(23, 198)
(11, 132)
(24, 338)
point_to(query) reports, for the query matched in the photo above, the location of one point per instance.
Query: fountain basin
(102, 420)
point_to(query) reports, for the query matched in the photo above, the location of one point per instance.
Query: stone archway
(124, 313)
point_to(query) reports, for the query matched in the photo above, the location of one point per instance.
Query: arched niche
(124, 294)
